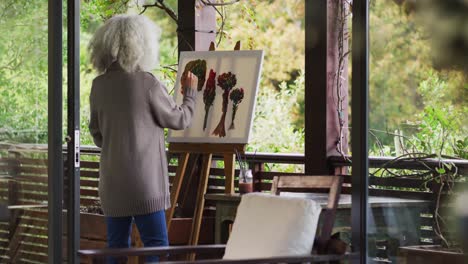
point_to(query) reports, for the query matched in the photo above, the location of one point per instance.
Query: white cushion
(271, 226)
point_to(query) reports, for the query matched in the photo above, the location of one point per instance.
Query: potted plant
(428, 147)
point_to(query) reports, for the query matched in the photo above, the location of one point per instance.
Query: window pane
(23, 131)
(417, 122)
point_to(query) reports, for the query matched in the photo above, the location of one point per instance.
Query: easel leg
(229, 171)
(200, 203)
(175, 190)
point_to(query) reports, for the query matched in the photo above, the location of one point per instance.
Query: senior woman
(129, 110)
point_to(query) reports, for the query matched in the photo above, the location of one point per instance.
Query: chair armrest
(150, 251)
(295, 259)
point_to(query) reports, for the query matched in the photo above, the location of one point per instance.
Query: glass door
(24, 137)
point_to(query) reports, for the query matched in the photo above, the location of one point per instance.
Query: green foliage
(404, 85)
(438, 129)
(435, 133)
(277, 27)
(23, 71)
(94, 11)
(460, 148)
(273, 129)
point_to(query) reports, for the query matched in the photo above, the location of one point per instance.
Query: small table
(389, 216)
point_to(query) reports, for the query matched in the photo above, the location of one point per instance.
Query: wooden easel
(207, 150)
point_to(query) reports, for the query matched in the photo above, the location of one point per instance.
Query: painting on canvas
(227, 89)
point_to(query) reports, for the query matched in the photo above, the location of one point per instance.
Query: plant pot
(430, 255)
(245, 187)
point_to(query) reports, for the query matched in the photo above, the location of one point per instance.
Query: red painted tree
(226, 81)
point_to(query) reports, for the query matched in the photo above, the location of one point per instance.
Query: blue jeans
(152, 229)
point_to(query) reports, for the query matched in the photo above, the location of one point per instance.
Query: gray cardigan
(129, 112)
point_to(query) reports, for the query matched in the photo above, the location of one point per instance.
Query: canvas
(227, 90)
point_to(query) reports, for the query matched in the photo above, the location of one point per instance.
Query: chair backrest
(310, 184)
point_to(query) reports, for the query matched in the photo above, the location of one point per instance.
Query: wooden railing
(23, 181)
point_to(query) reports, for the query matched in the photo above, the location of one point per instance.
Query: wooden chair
(324, 243)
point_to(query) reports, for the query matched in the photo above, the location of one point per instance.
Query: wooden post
(229, 172)
(257, 169)
(196, 26)
(322, 62)
(337, 68)
(205, 25)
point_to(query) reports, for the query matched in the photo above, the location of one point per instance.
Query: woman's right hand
(190, 81)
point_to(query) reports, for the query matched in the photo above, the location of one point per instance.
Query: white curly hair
(130, 40)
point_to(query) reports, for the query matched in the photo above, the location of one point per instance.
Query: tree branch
(162, 5)
(207, 3)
